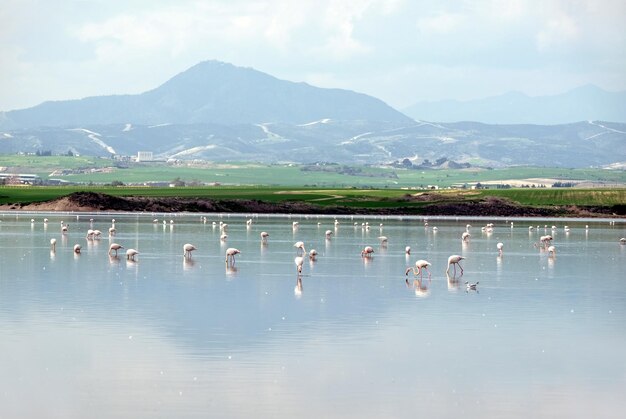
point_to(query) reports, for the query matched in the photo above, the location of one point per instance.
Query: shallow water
(92, 336)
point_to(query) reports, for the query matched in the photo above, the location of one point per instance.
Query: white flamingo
(188, 248)
(367, 251)
(130, 254)
(455, 260)
(299, 261)
(115, 247)
(230, 255)
(299, 248)
(419, 266)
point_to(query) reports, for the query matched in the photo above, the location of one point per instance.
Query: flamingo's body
(465, 236)
(299, 261)
(188, 248)
(77, 248)
(53, 244)
(264, 236)
(299, 248)
(455, 260)
(115, 247)
(230, 255)
(419, 266)
(552, 251)
(500, 247)
(313, 254)
(367, 251)
(131, 253)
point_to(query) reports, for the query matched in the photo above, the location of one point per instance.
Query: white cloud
(129, 47)
(557, 31)
(442, 23)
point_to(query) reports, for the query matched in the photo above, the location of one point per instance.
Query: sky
(401, 51)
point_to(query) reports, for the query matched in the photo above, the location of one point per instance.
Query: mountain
(210, 92)
(581, 104)
(220, 112)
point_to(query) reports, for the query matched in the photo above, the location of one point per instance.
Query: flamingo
(465, 236)
(328, 234)
(89, 234)
(552, 251)
(419, 265)
(313, 254)
(188, 248)
(407, 250)
(264, 236)
(112, 231)
(500, 246)
(455, 260)
(383, 240)
(97, 234)
(131, 253)
(622, 240)
(230, 255)
(367, 251)
(545, 240)
(116, 247)
(300, 250)
(53, 245)
(77, 248)
(223, 237)
(299, 261)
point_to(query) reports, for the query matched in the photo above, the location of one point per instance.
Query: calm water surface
(92, 336)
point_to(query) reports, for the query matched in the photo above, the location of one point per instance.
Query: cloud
(442, 23)
(129, 47)
(557, 31)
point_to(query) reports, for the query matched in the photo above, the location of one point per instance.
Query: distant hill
(210, 92)
(581, 144)
(581, 104)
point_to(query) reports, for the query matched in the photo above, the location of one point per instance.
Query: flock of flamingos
(544, 243)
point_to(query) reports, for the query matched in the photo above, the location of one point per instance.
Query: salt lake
(89, 335)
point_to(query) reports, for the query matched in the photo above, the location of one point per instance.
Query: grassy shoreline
(558, 202)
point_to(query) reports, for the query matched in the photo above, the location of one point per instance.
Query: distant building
(145, 156)
(19, 179)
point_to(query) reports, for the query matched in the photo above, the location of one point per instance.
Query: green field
(351, 197)
(289, 175)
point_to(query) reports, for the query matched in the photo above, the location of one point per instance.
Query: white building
(144, 156)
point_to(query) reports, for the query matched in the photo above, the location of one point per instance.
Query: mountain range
(581, 104)
(217, 111)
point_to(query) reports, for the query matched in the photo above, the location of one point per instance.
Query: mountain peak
(212, 92)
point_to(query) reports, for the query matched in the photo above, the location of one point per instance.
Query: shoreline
(490, 206)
